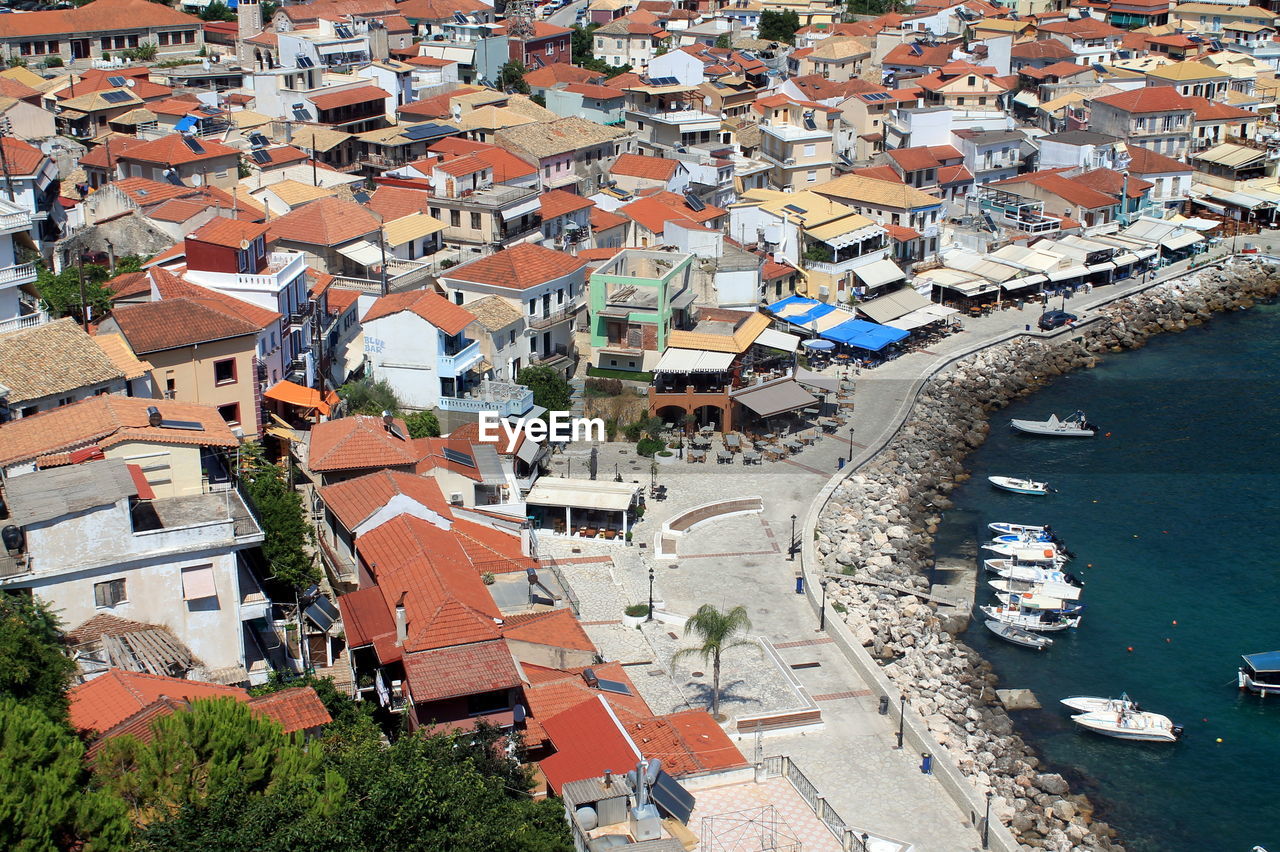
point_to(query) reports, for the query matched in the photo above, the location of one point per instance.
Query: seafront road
(744, 560)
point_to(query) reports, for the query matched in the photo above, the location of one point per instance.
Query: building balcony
(12, 223)
(560, 352)
(299, 317)
(17, 275)
(505, 398)
(795, 133)
(563, 314)
(688, 120)
(24, 321)
(452, 366)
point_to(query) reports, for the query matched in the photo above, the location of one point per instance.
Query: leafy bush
(633, 431)
(369, 396)
(550, 388)
(637, 610)
(52, 62)
(603, 387)
(423, 424)
(648, 446)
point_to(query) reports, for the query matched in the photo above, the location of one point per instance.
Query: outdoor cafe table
(732, 441)
(793, 446)
(750, 457)
(697, 455)
(723, 456)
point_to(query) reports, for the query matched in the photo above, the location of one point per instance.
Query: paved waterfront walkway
(744, 560)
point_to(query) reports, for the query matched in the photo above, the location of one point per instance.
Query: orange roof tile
(553, 691)
(656, 210)
(464, 165)
(170, 150)
(175, 323)
(19, 157)
(362, 441)
(588, 740)
(395, 202)
(555, 627)
(325, 222)
(560, 72)
(687, 743)
(107, 420)
(170, 286)
(297, 708)
(594, 90)
(431, 306)
(349, 97)
(1148, 99)
(557, 202)
(101, 16)
(115, 695)
(651, 168)
(603, 220)
(517, 268)
(354, 500)
(460, 670)
(231, 233)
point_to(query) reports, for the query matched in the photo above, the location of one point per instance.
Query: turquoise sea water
(1177, 511)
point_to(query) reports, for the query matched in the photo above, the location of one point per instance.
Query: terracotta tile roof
(340, 299)
(930, 56)
(107, 420)
(687, 743)
(100, 16)
(231, 233)
(297, 708)
(1148, 99)
(349, 97)
(282, 154)
(653, 168)
(1111, 182)
(336, 9)
(52, 359)
(435, 10)
(431, 306)
(177, 210)
(354, 500)
(557, 628)
(588, 740)
(170, 150)
(368, 621)
(21, 158)
(117, 349)
(464, 165)
(924, 157)
(541, 139)
(655, 211)
(602, 220)
(431, 457)
(115, 695)
(517, 268)
(490, 549)
(1070, 190)
(169, 286)
(98, 157)
(557, 202)
(560, 72)
(396, 202)
(1045, 48)
(900, 234)
(1057, 69)
(594, 90)
(1081, 28)
(437, 106)
(16, 89)
(1146, 162)
(550, 692)
(460, 670)
(325, 222)
(104, 624)
(1207, 110)
(599, 255)
(817, 88)
(129, 285)
(953, 174)
(362, 441)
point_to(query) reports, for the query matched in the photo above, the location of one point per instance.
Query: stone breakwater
(879, 526)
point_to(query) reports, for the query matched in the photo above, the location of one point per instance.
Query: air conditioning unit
(455, 498)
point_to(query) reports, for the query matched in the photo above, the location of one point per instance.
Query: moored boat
(1260, 673)
(1094, 704)
(1006, 528)
(1075, 426)
(1009, 548)
(1019, 486)
(1031, 557)
(1018, 636)
(1029, 574)
(1036, 620)
(1060, 591)
(1130, 725)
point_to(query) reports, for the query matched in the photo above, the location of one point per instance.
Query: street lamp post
(791, 542)
(650, 618)
(822, 613)
(617, 474)
(850, 445)
(986, 824)
(902, 718)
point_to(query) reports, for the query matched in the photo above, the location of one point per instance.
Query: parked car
(1050, 320)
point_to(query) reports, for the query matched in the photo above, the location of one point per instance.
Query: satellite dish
(244, 245)
(131, 82)
(197, 179)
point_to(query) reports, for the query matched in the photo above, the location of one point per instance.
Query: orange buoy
(1130, 649)
(1175, 622)
(1108, 434)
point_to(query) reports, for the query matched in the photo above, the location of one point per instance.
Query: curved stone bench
(686, 521)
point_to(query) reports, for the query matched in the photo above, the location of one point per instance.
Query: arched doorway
(709, 415)
(673, 414)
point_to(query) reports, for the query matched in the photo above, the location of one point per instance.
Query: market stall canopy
(582, 493)
(923, 316)
(893, 305)
(808, 378)
(775, 339)
(302, 397)
(771, 398)
(693, 361)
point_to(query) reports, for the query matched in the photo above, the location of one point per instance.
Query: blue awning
(1268, 661)
(864, 335)
(812, 309)
(185, 124)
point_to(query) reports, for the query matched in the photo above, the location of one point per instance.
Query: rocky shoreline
(879, 526)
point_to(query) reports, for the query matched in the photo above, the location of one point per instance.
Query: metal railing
(557, 316)
(781, 766)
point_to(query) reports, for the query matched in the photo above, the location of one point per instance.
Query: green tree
(718, 632)
(367, 395)
(723, 41)
(61, 292)
(581, 45)
(45, 803)
(130, 263)
(269, 9)
(511, 78)
(217, 748)
(217, 11)
(778, 26)
(422, 424)
(33, 667)
(550, 389)
(284, 524)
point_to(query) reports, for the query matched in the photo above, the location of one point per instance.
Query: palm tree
(718, 632)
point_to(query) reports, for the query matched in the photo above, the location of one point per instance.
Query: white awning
(1027, 99)
(693, 361)
(1144, 253)
(1105, 266)
(1181, 241)
(1069, 272)
(528, 451)
(582, 493)
(827, 384)
(1025, 281)
(893, 305)
(922, 316)
(523, 208)
(1125, 259)
(362, 252)
(879, 273)
(775, 339)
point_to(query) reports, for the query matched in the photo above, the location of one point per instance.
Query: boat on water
(1006, 528)
(1019, 486)
(1039, 602)
(1018, 636)
(1093, 704)
(1038, 621)
(1026, 538)
(1074, 426)
(1010, 548)
(1130, 725)
(1031, 557)
(1260, 673)
(1029, 574)
(1060, 591)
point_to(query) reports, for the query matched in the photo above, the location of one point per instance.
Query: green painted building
(636, 299)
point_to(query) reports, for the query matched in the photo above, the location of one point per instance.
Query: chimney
(608, 778)
(402, 623)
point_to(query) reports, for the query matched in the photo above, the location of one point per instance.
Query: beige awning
(827, 384)
(362, 252)
(879, 273)
(922, 316)
(893, 305)
(693, 361)
(774, 398)
(775, 339)
(1181, 241)
(582, 493)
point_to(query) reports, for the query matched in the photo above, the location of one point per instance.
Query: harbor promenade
(746, 560)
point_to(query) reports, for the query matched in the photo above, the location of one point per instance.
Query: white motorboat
(1034, 620)
(1130, 725)
(1260, 673)
(1018, 636)
(1031, 557)
(1060, 591)
(1025, 538)
(1005, 528)
(1029, 574)
(1009, 548)
(1019, 486)
(1093, 704)
(1075, 426)
(1039, 602)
